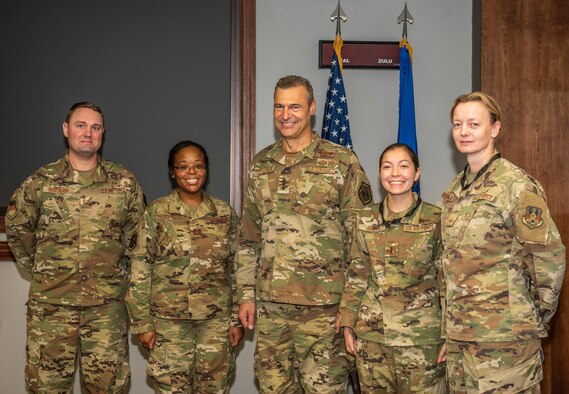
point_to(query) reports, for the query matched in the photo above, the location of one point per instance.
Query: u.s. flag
(336, 122)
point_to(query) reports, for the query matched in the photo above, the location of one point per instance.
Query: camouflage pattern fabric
(70, 231)
(503, 258)
(54, 332)
(399, 369)
(298, 350)
(191, 356)
(297, 213)
(499, 367)
(392, 295)
(71, 235)
(182, 266)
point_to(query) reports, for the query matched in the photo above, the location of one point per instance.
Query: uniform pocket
(157, 367)
(318, 195)
(512, 380)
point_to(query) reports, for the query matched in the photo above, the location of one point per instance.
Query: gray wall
(161, 72)
(287, 43)
(441, 39)
(159, 69)
(287, 37)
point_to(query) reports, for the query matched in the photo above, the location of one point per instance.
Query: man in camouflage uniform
(297, 214)
(68, 225)
(503, 261)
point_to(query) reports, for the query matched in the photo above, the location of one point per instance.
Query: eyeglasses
(186, 167)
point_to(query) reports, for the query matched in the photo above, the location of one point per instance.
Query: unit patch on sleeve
(364, 193)
(533, 218)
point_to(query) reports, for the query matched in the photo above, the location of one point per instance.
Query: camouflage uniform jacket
(72, 238)
(182, 267)
(392, 293)
(503, 258)
(296, 216)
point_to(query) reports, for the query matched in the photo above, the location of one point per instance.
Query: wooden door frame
(522, 61)
(243, 96)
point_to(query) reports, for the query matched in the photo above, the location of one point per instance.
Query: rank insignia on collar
(533, 218)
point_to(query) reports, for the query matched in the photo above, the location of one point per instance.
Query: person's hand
(146, 339)
(350, 340)
(442, 354)
(247, 315)
(235, 335)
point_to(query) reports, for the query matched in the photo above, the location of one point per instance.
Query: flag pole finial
(339, 16)
(405, 17)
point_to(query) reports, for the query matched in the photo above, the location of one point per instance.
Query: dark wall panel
(524, 65)
(159, 69)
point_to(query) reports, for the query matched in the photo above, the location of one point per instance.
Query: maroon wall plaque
(361, 54)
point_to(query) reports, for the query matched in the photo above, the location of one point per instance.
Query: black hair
(184, 144)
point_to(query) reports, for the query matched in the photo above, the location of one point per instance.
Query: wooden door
(525, 65)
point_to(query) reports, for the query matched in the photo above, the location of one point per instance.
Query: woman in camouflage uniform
(181, 288)
(391, 302)
(503, 261)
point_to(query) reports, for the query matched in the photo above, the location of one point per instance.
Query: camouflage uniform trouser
(58, 335)
(399, 369)
(192, 356)
(501, 367)
(299, 351)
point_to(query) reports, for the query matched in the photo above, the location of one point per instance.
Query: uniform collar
(408, 216)
(205, 208)
(465, 185)
(278, 154)
(67, 170)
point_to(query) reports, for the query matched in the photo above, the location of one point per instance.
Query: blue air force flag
(407, 133)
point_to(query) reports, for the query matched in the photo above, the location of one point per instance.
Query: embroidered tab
(449, 197)
(419, 228)
(58, 189)
(485, 197)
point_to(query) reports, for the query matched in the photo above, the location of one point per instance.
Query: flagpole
(336, 120)
(407, 129)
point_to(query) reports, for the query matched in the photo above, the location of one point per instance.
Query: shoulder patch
(11, 211)
(364, 193)
(533, 218)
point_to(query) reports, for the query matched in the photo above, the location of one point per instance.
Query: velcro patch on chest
(58, 189)
(112, 190)
(485, 197)
(449, 197)
(419, 228)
